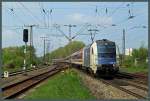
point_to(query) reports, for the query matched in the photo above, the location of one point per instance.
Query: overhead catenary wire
(82, 8)
(108, 12)
(46, 13)
(116, 9)
(42, 12)
(28, 10)
(124, 20)
(12, 11)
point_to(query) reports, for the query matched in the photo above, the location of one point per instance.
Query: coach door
(92, 57)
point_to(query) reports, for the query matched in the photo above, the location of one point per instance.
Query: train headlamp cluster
(114, 65)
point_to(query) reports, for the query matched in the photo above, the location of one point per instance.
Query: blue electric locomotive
(100, 57)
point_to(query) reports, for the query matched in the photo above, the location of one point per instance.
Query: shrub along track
(16, 89)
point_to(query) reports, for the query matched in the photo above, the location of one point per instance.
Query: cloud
(76, 17)
(82, 18)
(11, 38)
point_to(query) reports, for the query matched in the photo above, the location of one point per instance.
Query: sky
(100, 15)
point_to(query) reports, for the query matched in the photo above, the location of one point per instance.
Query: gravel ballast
(101, 90)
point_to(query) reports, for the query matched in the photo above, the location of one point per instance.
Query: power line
(46, 13)
(41, 9)
(124, 20)
(37, 19)
(81, 30)
(81, 8)
(130, 17)
(118, 8)
(114, 12)
(11, 10)
(58, 28)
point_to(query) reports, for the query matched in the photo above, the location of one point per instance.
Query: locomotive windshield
(106, 51)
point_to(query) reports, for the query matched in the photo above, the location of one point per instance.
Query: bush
(129, 61)
(140, 56)
(13, 57)
(10, 64)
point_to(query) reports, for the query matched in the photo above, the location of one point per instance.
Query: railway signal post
(31, 42)
(25, 39)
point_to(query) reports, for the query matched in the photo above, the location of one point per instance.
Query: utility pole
(123, 46)
(70, 39)
(93, 34)
(31, 41)
(47, 49)
(44, 39)
(70, 36)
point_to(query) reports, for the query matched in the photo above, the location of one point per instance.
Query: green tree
(13, 57)
(138, 58)
(141, 53)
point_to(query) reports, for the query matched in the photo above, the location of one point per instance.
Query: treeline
(138, 59)
(65, 51)
(13, 57)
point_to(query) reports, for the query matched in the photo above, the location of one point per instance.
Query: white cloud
(76, 16)
(11, 38)
(82, 18)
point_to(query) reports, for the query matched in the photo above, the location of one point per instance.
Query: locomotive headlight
(114, 65)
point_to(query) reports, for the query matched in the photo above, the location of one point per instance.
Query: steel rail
(21, 71)
(123, 89)
(13, 90)
(108, 82)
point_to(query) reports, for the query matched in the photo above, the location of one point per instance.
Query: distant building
(128, 51)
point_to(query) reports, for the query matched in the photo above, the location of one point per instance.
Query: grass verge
(134, 69)
(64, 85)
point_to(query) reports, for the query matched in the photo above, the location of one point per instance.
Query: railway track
(140, 79)
(21, 71)
(127, 88)
(16, 89)
(132, 84)
(137, 85)
(128, 83)
(133, 75)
